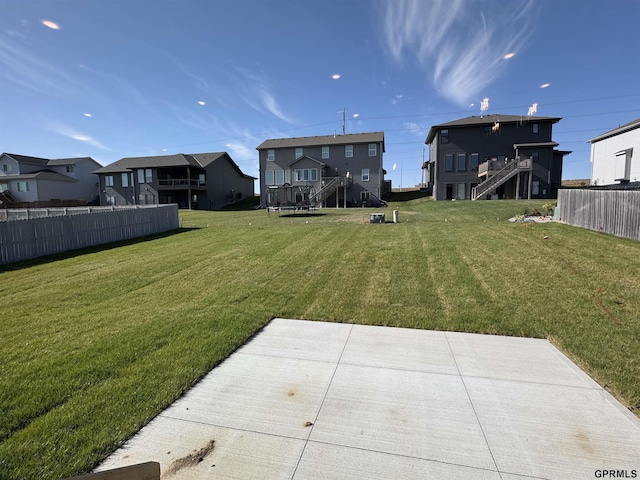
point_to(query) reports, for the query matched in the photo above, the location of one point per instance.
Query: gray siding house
(494, 156)
(196, 181)
(33, 179)
(330, 171)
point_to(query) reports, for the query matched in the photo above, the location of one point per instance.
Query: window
(148, 175)
(298, 153)
(125, 179)
(372, 149)
(448, 162)
(269, 178)
(111, 200)
(108, 181)
(535, 156)
(6, 167)
(475, 158)
(23, 186)
(279, 177)
(364, 196)
(4, 187)
(287, 176)
(535, 128)
(306, 175)
(202, 181)
(141, 176)
(462, 162)
(144, 199)
(535, 187)
(444, 136)
(365, 174)
(325, 152)
(70, 168)
(460, 191)
(348, 151)
(271, 155)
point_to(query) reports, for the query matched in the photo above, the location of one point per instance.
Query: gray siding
(338, 164)
(476, 139)
(36, 237)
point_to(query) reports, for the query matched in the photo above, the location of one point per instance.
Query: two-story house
(195, 181)
(612, 156)
(330, 171)
(33, 179)
(494, 156)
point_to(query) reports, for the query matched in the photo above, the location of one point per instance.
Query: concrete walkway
(314, 400)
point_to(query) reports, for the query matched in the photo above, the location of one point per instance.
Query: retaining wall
(616, 212)
(80, 228)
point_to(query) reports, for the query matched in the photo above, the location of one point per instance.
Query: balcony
(181, 184)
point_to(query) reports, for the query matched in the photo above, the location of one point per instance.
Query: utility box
(376, 218)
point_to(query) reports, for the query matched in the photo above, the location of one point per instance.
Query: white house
(613, 160)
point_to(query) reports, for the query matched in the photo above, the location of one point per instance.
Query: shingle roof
(325, 140)
(45, 162)
(617, 131)
(129, 163)
(198, 160)
(487, 120)
(69, 161)
(27, 159)
(43, 175)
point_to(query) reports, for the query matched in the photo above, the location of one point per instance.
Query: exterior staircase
(6, 198)
(331, 184)
(511, 169)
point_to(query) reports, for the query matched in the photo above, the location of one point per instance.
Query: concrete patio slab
(306, 400)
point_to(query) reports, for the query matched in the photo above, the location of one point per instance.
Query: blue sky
(119, 78)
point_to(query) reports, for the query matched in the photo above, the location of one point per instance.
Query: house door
(449, 191)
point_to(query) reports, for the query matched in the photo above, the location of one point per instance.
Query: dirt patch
(190, 460)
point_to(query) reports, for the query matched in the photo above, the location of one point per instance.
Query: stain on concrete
(190, 460)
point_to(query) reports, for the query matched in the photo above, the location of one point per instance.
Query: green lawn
(97, 343)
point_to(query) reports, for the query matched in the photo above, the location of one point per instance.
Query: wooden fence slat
(616, 212)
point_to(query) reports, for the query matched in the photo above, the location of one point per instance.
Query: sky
(124, 78)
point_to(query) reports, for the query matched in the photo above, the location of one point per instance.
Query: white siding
(606, 167)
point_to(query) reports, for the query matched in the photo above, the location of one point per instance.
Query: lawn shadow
(86, 250)
(302, 215)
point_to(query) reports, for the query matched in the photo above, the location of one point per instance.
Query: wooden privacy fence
(36, 237)
(616, 212)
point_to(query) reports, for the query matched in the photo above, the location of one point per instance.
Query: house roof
(325, 140)
(42, 175)
(70, 161)
(309, 158)
(46, 162)
(127, 164)
(617, 131)
(197, 160)
(27, 159)
(205, 159)
(487, 120)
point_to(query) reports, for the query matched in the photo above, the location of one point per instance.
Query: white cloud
(20, 66)
(256, 92)
(461, 43)
(415, 128)
(69, 132)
